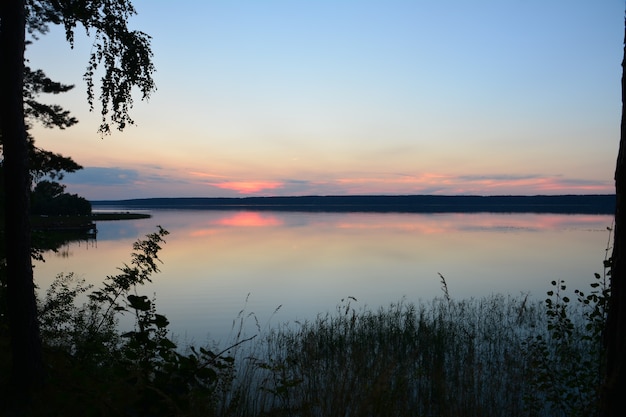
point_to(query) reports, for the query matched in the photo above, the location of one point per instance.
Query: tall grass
(491, 356)
(442, 358)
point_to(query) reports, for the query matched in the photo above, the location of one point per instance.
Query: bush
(139, 372)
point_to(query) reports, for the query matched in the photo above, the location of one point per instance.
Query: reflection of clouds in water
(308, 261)
(198, 223)
(115, 230)
(426, 224)
(238, 219)
(535, 222)
(215, 220)
(249, 219)
(475, 222)
(497, 228)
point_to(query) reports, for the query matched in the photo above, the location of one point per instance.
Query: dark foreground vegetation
(493, 356)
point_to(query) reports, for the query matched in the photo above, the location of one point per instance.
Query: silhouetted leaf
(140, 303)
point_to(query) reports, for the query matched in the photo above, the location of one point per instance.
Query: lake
(218, 263)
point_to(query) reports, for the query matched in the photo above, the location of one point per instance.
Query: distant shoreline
(557, 204)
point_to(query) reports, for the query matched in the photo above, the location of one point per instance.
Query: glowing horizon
(345, 98)
(106, 182)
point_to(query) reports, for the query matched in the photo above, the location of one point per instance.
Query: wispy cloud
(534, 183)
(156, 181)
(200, 174)
(499, 177)
(485, 184)
(103, 176)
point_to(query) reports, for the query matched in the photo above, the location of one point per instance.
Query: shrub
(140, 372)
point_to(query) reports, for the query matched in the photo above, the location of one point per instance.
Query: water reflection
(66, 250)
(308, 262)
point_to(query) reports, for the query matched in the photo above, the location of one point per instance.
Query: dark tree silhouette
(22, 311)
(49, 164)
(126, 59)
(50, 198)
(43, 163)
(51, 115)
(615, 335)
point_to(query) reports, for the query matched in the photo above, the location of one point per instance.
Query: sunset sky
(337, 97)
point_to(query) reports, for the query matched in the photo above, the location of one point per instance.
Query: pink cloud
(199, 174)
(248, 187)
(434, 183)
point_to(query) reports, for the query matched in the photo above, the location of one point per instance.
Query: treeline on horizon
(558, 204)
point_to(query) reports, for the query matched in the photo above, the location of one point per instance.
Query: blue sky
(356, 97)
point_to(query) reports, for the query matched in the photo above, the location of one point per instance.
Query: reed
(492, 356)
(440, 358)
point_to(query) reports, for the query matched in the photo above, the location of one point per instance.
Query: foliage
(50, 115)
(46, 164)
(124, 54)
(568, 356)
(50, 198)
(126, 58)
(42, 163)
(143, 370)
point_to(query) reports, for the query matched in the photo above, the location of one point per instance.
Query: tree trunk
(22, 310)
(615, 336)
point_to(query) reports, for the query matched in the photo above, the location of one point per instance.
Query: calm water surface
(307, 262)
